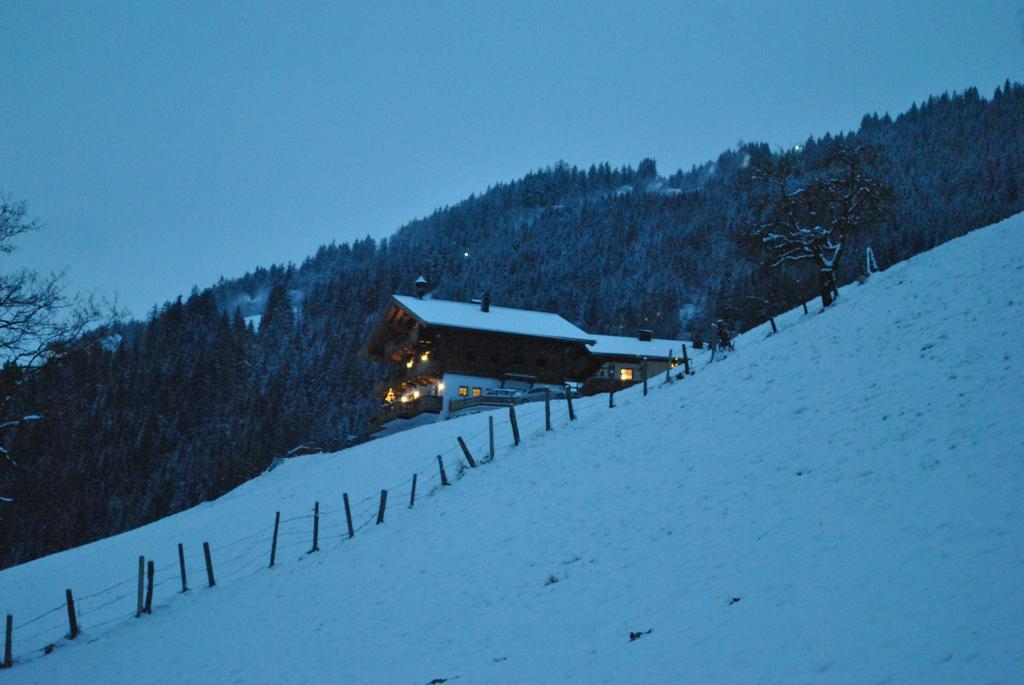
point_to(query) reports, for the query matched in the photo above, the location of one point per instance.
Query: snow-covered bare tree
(37, 320)
(812, 220)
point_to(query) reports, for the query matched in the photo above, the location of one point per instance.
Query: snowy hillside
(835, 503)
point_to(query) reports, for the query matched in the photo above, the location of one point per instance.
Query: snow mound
(836, 503)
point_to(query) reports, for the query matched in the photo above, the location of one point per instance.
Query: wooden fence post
(568, 401)
(465, 451)
(412, 497)
(316, 528)
(547, 408)
(611, 386)
(515, 425)
(668, 367)
(383, 506)
(643, 372)
(348, 516)
(209, 564)
(7, 642)
(150, 571)
(490, 433)
(273, 543)
(181, 565)
(72, 619)
(805, 306)
(686, 361)
(444, 476)
(142, 586)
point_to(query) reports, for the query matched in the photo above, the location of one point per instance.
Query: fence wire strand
(255, 554)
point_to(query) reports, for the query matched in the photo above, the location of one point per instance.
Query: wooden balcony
(401, 374)
(400, 343)
(426, 404)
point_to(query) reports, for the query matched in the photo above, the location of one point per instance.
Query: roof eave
(366, 354)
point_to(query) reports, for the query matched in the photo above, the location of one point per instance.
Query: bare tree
(38, 320)
(813, 222)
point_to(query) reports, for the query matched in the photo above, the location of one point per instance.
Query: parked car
(537, 394)
(504, 394)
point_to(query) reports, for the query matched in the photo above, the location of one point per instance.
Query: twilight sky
(166, 144)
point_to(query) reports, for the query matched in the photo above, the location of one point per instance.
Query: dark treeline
(148, 418)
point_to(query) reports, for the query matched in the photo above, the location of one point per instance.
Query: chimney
(421, 286)
(645, 334)
(485, 302)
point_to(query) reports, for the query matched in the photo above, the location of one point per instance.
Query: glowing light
(409, 363)
(440, 387)
(465, 254)
(390, 397)
(425, 356)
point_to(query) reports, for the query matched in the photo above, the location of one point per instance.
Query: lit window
(626, 374)
(476, 392)
(463, 391)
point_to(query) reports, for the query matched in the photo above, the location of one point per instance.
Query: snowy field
(835, 503)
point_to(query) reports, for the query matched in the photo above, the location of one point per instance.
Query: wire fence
(251, 553)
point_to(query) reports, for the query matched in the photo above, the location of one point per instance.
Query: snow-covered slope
(835, 503)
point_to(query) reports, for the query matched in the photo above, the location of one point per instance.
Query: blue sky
(166, 144)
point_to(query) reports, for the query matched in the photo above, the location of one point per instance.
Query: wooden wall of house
(478, 353)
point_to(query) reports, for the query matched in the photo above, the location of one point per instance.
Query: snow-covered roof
(497, 320)
(620, 346)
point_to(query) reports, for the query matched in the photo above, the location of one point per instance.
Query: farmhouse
(441, 353)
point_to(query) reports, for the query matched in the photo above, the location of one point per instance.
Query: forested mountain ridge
(193, 401)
